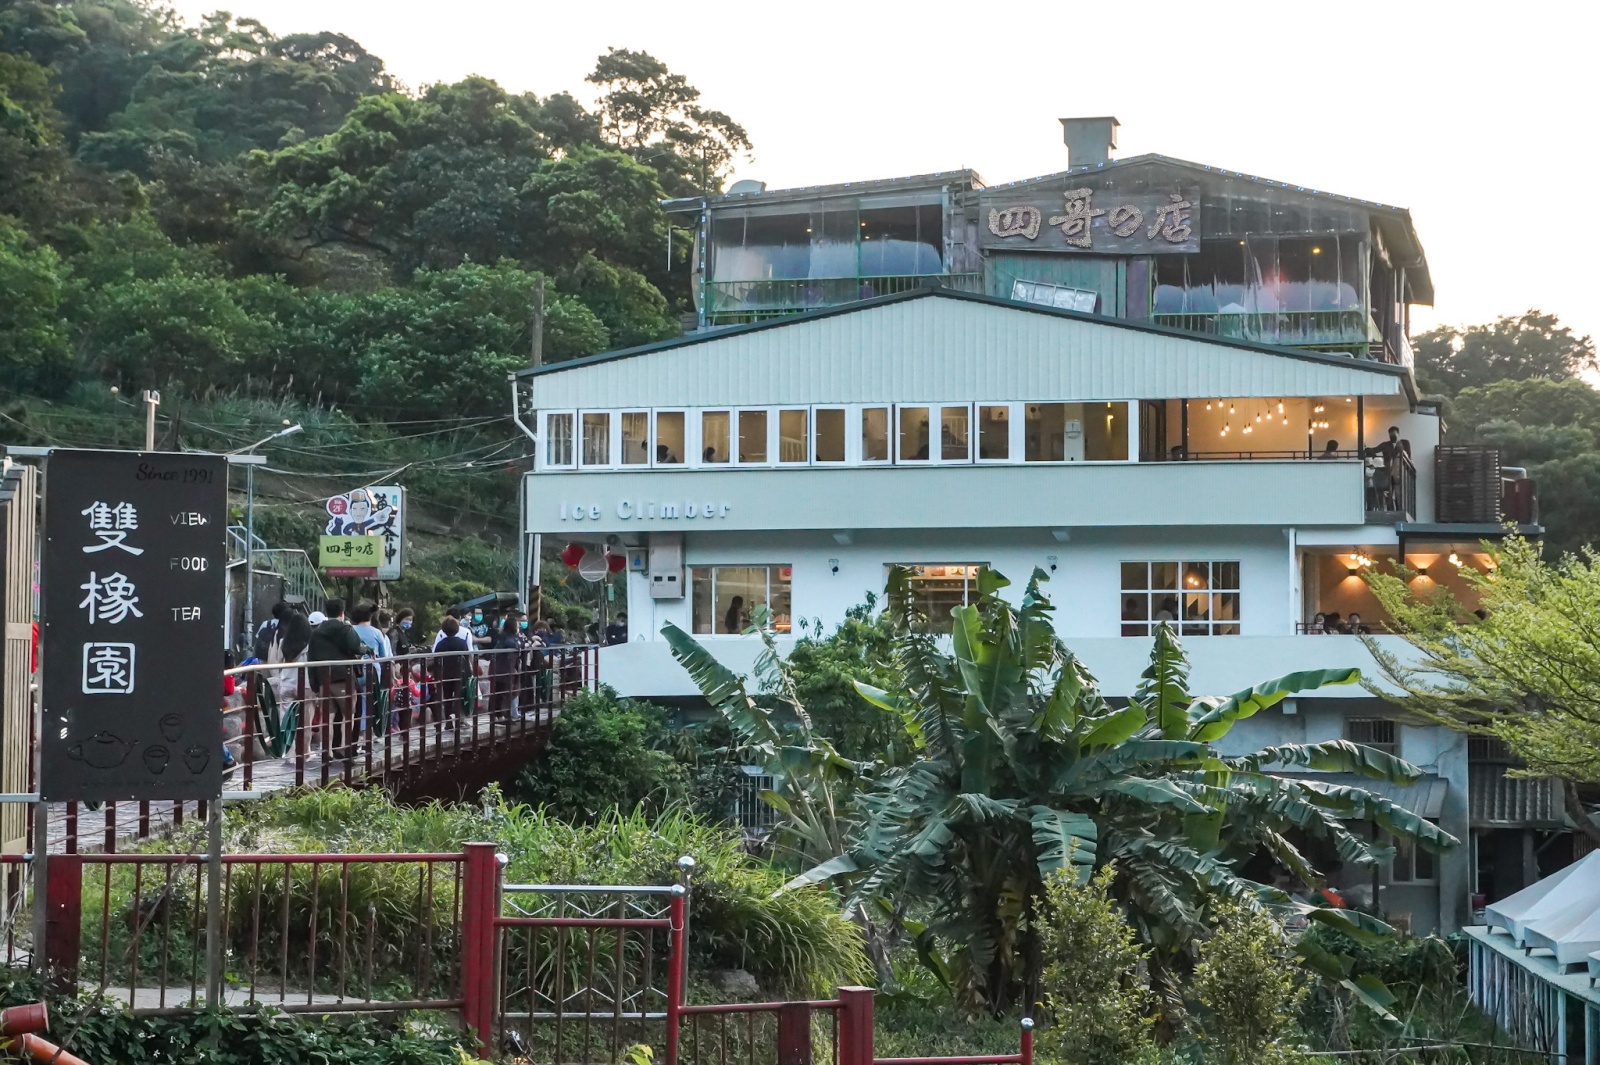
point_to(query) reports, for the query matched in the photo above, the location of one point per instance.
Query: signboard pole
(214, 902)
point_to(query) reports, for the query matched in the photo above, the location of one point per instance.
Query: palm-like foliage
(1023, 768)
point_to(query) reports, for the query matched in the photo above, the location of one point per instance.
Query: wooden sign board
(1080, 219)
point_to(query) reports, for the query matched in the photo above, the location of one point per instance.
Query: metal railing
(1392, 489)
(302, 933)
(1350, 330)
(730, 302)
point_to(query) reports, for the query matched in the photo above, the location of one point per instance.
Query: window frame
(736, 431)
(700, 437)
(545, 438)
(655, 438)
(1013, 435)
(812, 435)
(775, 420)
(649, 438)
(613, 438)
(859, 420)
(1180, 625)
(969, 580)
(770, 568)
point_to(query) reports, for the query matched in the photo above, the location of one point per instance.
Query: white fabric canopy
(1594, 967)
(1510, 910)
(1571, 937)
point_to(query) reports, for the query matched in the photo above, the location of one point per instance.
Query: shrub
(1093, 983)
(604, 754)
(1249, 990)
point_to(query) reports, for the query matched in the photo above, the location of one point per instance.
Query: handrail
(373, 660)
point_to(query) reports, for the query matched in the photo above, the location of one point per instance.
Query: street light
(250, 525)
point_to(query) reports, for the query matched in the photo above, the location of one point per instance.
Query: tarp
(1571, 936)
(1510, 912)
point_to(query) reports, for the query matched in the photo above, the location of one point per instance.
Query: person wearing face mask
(484, 629)
(400, 632)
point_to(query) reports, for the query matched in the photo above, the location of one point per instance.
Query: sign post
(133, 588)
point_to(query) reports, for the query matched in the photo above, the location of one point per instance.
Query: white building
(1152, 472)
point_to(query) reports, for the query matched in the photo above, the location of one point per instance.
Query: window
(939, 589)
(752, 436)
(1196, 598)
(754, 816)
(596, 439)
(875, 434)
(725, 597)
(1076, 432)
(954, 442)
(714, 436)
(1412, 864)
(994, 433)
(669, 437)
(913, 434)
(635, 438)
(1375, 732)
(558, 439)
(1044, 429)
(828, 444)
(792, 434)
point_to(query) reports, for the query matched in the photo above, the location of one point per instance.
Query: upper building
(1146, 239)
(1183, 393)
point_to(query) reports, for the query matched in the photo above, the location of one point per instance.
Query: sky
(1479, 117)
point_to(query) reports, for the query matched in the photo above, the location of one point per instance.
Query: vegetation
(98, 1031)
(1248, 990)
(1095, 986)
(1525, 670)
(604, 754)
(1020, 769)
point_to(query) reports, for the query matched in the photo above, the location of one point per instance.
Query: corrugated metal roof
(1499, 800)
(1425, 798)
(956, 347)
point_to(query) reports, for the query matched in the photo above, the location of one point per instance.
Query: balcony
(738, 302)
(1351, 331)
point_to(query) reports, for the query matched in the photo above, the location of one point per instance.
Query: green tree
(1094, 985)
(1022, 770)
(1525, 670)
(604, 754)
(1249, 990)
(447, 342)
(1515, 347)
(179, 332)
(655, 116)
(35, 353)
(825, 669)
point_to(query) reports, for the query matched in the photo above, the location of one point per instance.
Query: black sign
(134, 585)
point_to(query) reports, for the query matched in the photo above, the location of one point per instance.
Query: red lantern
(572, 553)
(615, 563)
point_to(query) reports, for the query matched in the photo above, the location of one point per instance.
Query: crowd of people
(500, 657)
(1332, 624)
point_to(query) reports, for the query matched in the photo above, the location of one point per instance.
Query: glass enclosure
(725, 597)
(834, 238)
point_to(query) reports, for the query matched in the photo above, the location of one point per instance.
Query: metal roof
(933, 291)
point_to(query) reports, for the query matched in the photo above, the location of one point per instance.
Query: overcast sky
(1480, 117)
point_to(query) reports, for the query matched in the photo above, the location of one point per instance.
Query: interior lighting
(1316, 251)
(1232, 409)
(1352, 572)
(1455, 560)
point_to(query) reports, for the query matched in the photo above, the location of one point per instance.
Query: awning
(1572, 897)
(1425, 798)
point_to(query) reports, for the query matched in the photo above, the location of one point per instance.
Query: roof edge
(940, 292)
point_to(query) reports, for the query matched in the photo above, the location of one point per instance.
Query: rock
(738, 984)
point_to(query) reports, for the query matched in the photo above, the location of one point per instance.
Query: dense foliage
(1525, 670)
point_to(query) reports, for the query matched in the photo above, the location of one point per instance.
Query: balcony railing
(1392, 490)
(1350, 330)
(732, 302)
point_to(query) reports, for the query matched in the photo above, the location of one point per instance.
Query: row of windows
(910, 433)
(1197, 598)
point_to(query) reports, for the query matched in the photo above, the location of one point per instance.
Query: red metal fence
(572, 973)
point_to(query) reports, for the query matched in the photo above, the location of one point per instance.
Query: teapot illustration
(103, 750)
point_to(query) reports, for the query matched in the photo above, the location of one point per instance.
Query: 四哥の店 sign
(377, 511)
(350, 556)
(1090, 220)
(133, 583)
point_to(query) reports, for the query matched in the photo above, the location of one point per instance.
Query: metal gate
(588, 971)
(19, 514)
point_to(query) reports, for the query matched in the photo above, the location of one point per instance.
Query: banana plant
(1021, 768)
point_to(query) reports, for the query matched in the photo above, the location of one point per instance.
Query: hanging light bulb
(1232, 409)
(1280, 406)
(1208, 404)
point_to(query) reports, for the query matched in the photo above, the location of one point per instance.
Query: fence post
(480, 908)
(794, 1034)
(1027, 1041)
(855, 1026)
(677, 948)
(63, 922)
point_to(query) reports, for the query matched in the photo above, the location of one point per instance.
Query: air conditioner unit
(666, 566)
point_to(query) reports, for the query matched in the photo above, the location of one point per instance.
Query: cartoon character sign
(372, 511)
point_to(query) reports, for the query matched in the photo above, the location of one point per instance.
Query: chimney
(1089, 140)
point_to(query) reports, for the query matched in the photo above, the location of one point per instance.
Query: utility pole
(247, 457)
(538, 323)
(152, 400)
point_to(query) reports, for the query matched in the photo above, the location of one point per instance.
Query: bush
(1094, 984)
(1249, 989)
(604, 754)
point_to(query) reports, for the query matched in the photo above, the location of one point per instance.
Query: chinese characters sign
(377, 512)
(1091, 220)
(351, 556)
(133, 583)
